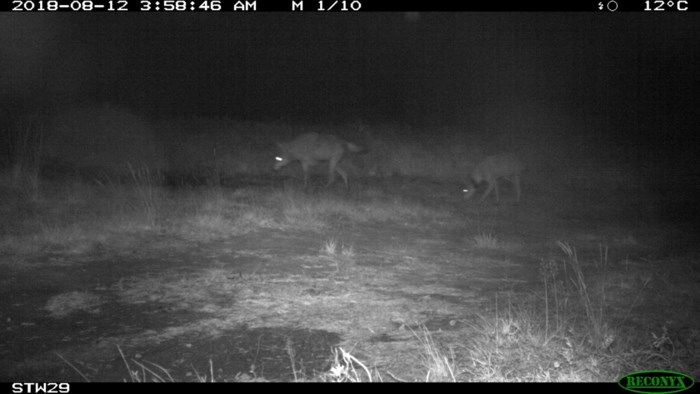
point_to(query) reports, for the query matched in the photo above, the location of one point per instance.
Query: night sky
(631, 78)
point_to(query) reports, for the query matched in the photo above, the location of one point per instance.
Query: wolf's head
(469, 190)
(475, 178)
(282, 159)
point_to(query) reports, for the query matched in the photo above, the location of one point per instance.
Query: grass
(330, 247)
(241, 253)
(146, 371)
(577, 319)
(345, 369)
(146, 185)
(439, 367)
(485, 241)
(593, 301)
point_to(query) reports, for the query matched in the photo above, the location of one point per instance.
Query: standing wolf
(502, 166)
(310, 148)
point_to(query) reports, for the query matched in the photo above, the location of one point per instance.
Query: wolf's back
(319, 146)
(497, 166)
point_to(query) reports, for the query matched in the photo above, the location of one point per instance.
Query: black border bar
(347, 6)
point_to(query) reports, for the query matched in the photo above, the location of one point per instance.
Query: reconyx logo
(656, 382)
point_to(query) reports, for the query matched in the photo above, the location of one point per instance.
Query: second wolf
(491, 170)
(310, 148)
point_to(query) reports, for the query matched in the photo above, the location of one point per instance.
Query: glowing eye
(278, 158)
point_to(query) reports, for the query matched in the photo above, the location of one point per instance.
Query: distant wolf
(310, 148)
(491, 170)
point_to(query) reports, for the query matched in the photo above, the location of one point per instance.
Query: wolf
(310, 148)
(491, 170)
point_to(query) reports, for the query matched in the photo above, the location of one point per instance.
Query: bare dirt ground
(273, 303)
